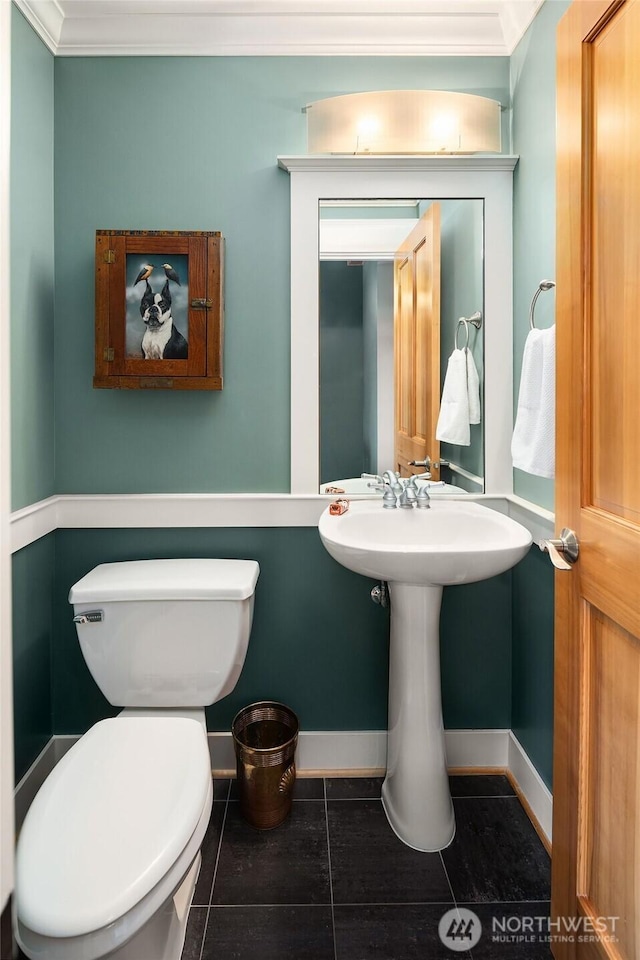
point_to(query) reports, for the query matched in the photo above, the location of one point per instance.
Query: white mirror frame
(315, 178)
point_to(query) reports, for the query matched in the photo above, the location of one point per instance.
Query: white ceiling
(280, 27)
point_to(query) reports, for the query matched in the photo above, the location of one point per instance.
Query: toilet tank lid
(190, 579)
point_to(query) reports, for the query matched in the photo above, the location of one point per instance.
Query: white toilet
(109, 852)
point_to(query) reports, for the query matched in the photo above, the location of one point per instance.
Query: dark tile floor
(334, 882)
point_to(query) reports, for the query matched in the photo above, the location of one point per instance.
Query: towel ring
(476, 320)
(465, 322)
(544, 285)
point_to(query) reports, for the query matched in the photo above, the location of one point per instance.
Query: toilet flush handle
(89, 616)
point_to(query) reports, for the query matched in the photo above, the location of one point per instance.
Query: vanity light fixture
(404, 122)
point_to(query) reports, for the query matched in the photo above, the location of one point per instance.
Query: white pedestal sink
(418, 552)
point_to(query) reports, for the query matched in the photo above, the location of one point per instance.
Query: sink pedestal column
(415, 793)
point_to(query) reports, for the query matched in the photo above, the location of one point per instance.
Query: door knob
(563, 552)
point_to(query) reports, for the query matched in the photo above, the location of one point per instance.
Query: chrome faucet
(413, 495)
(388, 497)
(401, 492)
(408, 496)
(391, 485)
(371, 476)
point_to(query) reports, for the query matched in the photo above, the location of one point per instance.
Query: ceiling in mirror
(364, 229)
(385, 347)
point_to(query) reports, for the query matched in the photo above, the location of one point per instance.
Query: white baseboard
(477, 748)
(347, 752)
(531, 784)
(33, 779)
(318, 751)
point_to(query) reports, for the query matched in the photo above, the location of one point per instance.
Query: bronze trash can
(265, 736)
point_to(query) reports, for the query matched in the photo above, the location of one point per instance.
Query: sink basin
(452, 542)
(419, 552)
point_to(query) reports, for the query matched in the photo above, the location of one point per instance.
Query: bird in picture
(171, 273)
(145, 273)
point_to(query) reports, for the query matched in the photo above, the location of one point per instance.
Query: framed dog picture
(159, 309)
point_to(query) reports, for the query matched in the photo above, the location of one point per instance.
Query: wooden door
(417, 343)
(596, 785)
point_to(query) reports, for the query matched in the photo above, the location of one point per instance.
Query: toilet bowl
(108, 855)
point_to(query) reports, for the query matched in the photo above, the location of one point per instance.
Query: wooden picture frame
(159, 309)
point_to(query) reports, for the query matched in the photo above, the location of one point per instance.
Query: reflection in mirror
(379, 404)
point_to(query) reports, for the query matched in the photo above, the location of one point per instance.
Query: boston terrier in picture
(161, 341)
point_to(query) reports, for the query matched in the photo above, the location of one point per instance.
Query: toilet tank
(165, 633)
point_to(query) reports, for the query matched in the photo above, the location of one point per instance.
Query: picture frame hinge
(109, 354)
(109, 256)
(201, 303)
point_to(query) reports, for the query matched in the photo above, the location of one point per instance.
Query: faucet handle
(423, 498)
(389, 499)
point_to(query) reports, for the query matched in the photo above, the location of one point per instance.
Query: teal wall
(475, 654)
(533, 92)
(533, 95)
(191, 143)
(342, 452)
(32, 379)
(371, 278)
(318, 642)
(377, 293)
(461, 295)
(532, 708)
(32, 576)
(32, 335)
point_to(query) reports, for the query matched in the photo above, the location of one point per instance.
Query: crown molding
(280, 27)
(46, 17)
(516, 16)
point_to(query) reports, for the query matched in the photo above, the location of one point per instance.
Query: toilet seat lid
(109, 822)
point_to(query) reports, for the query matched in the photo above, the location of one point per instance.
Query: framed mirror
(396, 277)
(348, 178)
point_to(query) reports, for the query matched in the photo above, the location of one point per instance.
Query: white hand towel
(533, 442)
(453, 420)
(473, 389)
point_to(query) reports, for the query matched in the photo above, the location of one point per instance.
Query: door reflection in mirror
(358, 384)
